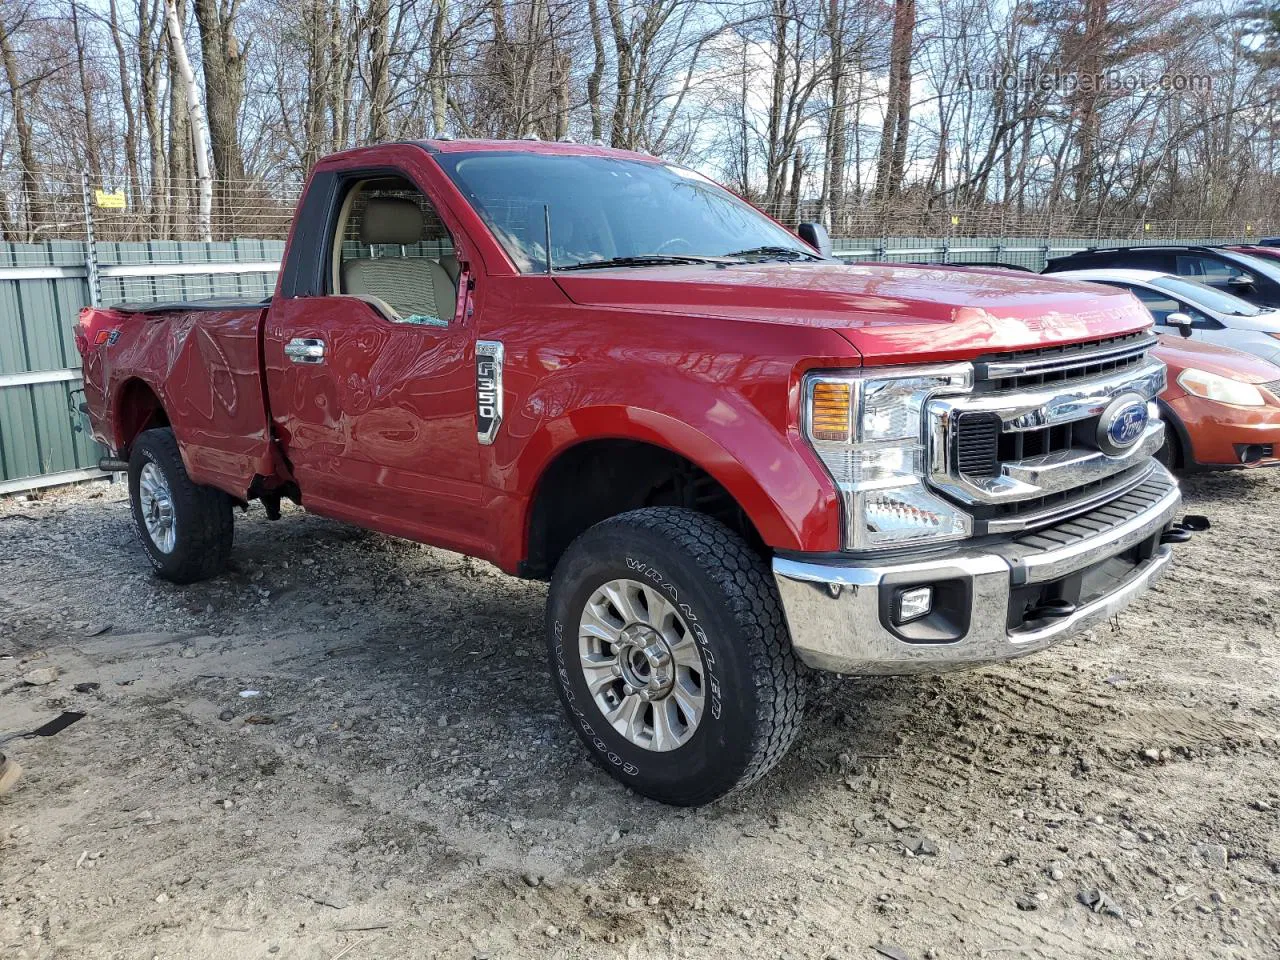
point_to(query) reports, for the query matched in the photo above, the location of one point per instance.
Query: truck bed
(200, 363)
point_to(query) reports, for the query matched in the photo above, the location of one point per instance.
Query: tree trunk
(126, 102)
(149, 93)
(379, 71)
(833, 193)
(621, 134)
(597, 70)
(224, 69)
(22, 128)
(436, 77)
(198, 124)
(891, 160)
(92, 153)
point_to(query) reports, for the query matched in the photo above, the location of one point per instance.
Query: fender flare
(793, 506)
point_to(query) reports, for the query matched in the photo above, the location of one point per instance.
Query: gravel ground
(401, 783)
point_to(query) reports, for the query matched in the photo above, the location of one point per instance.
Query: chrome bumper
(837, 611)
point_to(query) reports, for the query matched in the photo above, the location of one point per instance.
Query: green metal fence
(43, 437)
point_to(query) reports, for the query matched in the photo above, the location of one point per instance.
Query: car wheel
(185, 529)
(1169, 454)
(671, 655)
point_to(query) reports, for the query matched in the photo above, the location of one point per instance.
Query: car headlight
(1211, 386)
(868, 429)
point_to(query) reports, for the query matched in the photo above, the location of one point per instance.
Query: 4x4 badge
(488, 389)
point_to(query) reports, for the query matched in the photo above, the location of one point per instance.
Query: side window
(1206, 269)
(392, 250)
(1160, 304)
(1200, 321)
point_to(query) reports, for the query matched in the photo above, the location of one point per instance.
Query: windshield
(1204, 296)
(606, 208)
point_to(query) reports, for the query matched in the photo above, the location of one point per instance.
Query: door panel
(384, 424)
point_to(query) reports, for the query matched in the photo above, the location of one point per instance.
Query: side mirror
(816, 236)
(1182, 321)
(1241, 280)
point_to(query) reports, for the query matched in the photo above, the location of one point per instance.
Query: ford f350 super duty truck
(733, 457)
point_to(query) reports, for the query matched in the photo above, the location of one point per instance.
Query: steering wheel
(662, 247)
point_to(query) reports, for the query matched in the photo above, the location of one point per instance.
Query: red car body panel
(703, 361)
(1269, 253)
(1215, 429)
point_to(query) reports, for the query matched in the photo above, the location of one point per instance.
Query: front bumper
(1219, 433)
(996, 593)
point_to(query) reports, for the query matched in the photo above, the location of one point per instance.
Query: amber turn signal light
(829, 413)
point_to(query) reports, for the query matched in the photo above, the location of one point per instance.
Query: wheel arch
(138, 407)
(667, 462)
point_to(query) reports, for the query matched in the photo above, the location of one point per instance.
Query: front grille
(1010, 479)
(978, 444)
(1273, 388)
(1049, 365)
(1025, 444)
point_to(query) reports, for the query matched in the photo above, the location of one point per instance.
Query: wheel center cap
(645, 661)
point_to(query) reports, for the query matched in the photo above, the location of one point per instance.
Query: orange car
(1222, 407)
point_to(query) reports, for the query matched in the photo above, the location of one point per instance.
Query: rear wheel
(185, 529)
(671, 655)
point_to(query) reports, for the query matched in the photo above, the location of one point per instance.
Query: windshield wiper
(640, 260)
(768, 251)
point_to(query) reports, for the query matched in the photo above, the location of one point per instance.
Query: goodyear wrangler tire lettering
(666, 609)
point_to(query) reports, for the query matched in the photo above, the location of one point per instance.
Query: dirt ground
(402, 783)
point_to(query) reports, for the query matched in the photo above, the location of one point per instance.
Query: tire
(196, 543)
(1169, 453)
(722, 604)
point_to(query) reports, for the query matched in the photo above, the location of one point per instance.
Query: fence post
(90, 244)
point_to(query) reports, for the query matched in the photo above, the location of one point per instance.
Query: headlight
(869, 431)
(1211, 386)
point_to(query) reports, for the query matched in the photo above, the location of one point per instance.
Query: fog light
(914, 604)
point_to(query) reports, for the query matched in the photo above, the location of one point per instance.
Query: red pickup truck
(734, 458)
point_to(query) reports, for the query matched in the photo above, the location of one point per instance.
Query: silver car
(1195, 310)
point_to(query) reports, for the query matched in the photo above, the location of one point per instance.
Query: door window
(1207, 269)
(393, 251)
(1160, 304)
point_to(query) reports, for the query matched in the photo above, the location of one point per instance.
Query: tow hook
(1184, 529)
(1052, 609)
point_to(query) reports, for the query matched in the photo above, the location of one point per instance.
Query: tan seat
(451, 267)
(412, 286)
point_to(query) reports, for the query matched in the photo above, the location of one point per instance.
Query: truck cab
(735, 459)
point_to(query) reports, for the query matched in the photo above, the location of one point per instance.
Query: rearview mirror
(1182, 321)
(1241, 280)
(816, 236)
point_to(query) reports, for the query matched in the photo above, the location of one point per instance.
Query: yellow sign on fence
(109, 201)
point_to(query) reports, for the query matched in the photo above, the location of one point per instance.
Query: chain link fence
(63, 204)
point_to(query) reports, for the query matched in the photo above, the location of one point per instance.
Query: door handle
(305, 350)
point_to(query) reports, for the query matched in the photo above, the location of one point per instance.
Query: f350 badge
(488, 390)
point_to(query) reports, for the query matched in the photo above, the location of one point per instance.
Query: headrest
(391, 220)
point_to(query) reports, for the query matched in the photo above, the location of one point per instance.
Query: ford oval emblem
(1122, 423)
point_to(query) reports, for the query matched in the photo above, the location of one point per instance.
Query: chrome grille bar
(1067, 361)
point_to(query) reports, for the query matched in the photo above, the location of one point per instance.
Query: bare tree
(195, 111)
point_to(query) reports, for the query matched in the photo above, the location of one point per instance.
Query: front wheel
(186, 529)
(671, 655)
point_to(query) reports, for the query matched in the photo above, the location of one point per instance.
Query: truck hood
(890, 313)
